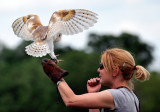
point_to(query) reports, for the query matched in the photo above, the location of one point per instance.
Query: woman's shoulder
(120, 93)
(121, 90)
(123, 94)
(124, 99)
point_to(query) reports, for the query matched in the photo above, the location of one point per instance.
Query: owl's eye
(59, 35)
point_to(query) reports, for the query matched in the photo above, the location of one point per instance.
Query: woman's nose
(98, 70)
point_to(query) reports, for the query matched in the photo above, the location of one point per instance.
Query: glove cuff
(60, 82)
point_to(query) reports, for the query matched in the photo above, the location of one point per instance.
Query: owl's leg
(54, 57)
(52, 54)
(57, 59)
(51, 47)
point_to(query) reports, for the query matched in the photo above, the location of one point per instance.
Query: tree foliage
(24, 87)
(142, 52)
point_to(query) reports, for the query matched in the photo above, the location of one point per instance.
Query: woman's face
(105, 77)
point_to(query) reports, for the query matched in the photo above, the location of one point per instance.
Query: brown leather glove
(54, 72)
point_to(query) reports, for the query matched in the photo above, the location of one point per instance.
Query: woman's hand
(93, 85)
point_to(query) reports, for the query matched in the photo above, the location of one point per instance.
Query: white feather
(19, 28)
(15, 22)
(66, 28)
(87, 16)
(37, 49)
(82, 23)
(54, 30)
(16, 26)
(25, 34)
(77, 25)
(87, 20)
(74, 26)
(64, 31)
(80, 26)
(70, 28)
(85, 23)
(85, 11)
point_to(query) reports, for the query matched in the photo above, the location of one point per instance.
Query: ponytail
(141, 73)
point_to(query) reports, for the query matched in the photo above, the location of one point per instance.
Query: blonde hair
(114, 57)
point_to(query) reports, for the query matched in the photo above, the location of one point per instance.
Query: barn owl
(62, 22)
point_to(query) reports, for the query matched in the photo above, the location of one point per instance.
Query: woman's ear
(115, 71)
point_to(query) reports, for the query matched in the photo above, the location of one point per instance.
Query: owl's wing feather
(69, 22)
(26, 26)
(52, 31)
(38, 49)
(21, 30)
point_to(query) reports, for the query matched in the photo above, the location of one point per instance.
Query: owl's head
(57, 37)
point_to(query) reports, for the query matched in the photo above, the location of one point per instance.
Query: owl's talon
(55, 60)
(59, 61)
(57, 55)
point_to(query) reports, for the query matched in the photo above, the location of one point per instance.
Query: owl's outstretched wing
(29, 27)
(70, 22)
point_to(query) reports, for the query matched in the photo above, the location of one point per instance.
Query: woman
(116, 71)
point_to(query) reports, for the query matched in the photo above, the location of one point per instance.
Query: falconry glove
(54, 72)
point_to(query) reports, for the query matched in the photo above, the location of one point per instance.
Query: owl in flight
(62, 22)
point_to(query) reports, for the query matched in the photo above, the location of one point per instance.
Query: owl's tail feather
(37, 49)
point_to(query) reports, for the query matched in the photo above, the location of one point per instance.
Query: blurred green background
(24, 87)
